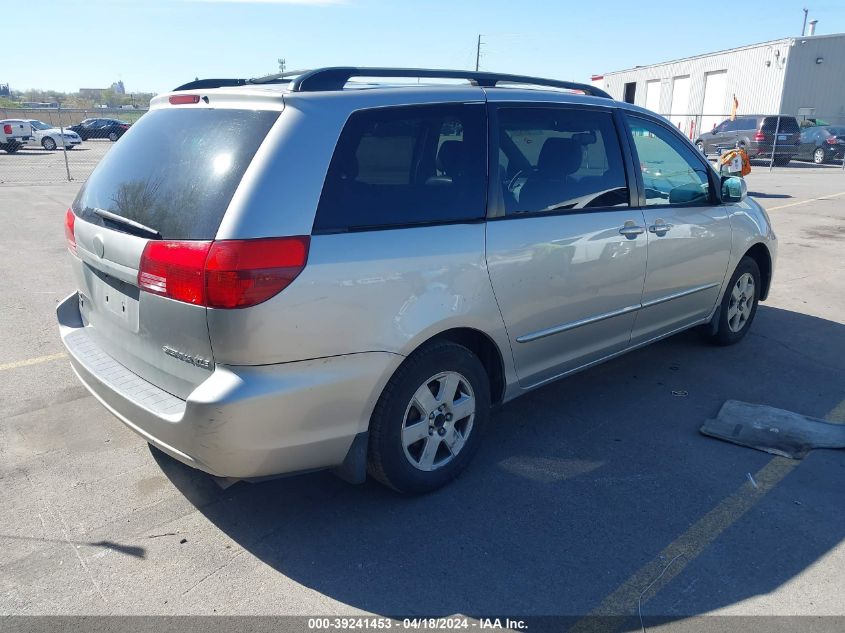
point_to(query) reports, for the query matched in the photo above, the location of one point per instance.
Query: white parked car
(14, 133)
(50, 137)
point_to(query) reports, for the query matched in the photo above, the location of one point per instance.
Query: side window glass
(407, 165)
(556, 159)
(671, 173)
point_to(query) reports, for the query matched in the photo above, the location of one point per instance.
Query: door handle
(631, 230)
(659, 228)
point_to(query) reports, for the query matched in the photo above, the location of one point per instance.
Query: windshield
(175, 171)
(40, 125)
(836, 131)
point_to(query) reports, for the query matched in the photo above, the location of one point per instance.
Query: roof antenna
(804, 26)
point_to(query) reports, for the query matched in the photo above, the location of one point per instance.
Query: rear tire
(11, 148)
(430, 419)
(739, 305)
(700, 146)
(113, 136)
(782, 161)
(48, 143)
(819, 157)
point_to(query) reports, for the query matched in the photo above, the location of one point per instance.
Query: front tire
(48, 143)
(430, 419)
(739, 305)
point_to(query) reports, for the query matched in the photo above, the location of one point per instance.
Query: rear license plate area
(113, 300)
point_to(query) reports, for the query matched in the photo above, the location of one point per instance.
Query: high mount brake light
(183, 99)
(222, 274)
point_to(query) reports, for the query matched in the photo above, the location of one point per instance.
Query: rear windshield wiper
(119, 219)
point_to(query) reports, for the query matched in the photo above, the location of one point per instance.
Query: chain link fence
(46, 158)
(43, 159)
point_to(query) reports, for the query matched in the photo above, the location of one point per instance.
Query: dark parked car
(756, 134)
(821, 144)
(111, 129)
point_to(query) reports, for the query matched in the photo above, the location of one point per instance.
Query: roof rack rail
(334, 78)
(201, 84)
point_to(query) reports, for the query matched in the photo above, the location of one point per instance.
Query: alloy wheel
(742, 302)
(438, 421)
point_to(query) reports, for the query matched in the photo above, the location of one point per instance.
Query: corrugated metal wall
(817, 85)
(754, 73)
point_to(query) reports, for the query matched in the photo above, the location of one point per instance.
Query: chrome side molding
(565, 327)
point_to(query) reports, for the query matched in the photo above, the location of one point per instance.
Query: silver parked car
(305, 272)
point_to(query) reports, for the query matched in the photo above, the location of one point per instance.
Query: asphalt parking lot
(590, 495)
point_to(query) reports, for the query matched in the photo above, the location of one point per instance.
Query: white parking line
(831, 196)
(32, 361)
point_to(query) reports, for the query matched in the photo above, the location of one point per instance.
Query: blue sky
(155, 45)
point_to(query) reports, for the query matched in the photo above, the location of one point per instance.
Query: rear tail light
(831, 140)
(70, 221)
(174, 270)
(7, 129)
(759, 136)
(222, 274)
(123, 127)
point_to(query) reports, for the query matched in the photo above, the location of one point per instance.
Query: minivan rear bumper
(242, 421)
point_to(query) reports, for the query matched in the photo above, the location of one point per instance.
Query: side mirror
(734, 189)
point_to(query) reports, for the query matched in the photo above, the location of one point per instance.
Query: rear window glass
(787, 124)
(405, 166)
(176, 170)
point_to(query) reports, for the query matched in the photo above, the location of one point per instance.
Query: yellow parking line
(688, 546)
(32, 361)
(795, 204)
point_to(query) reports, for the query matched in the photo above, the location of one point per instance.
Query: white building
(802, 76)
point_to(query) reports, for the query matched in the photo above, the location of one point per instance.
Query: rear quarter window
(176, 170)
(402, 166)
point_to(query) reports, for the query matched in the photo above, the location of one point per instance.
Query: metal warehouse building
(801, 76)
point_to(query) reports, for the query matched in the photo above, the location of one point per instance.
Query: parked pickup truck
(13, 134)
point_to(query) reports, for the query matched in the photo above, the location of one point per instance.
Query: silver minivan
(324, 270)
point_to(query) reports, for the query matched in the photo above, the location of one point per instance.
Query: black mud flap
(353, 470)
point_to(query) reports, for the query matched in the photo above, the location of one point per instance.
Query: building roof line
(782, 40)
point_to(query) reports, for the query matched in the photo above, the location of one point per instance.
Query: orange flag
(733, 108)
